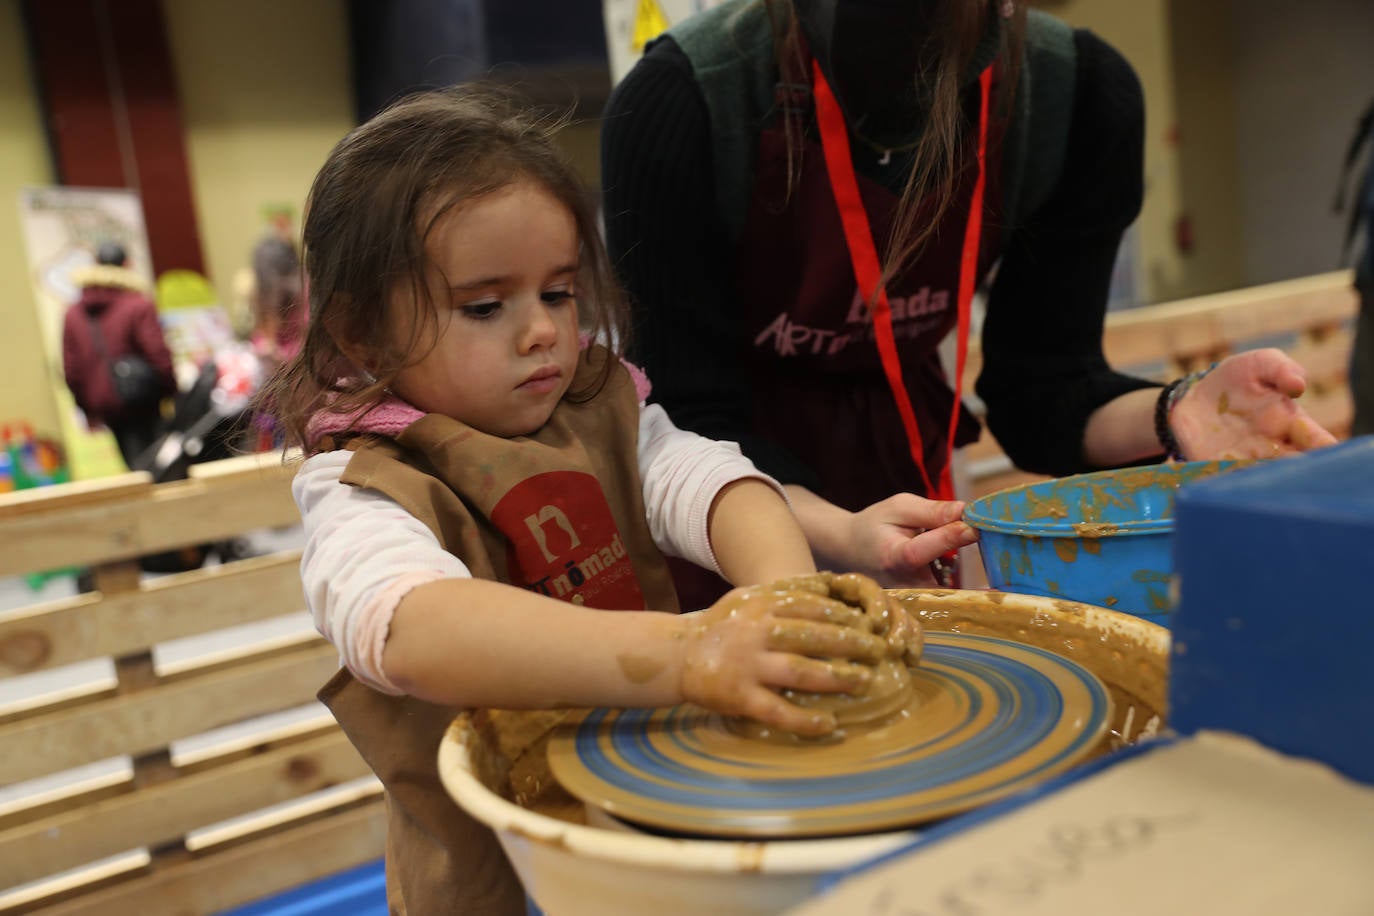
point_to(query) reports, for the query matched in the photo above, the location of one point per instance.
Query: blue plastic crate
(1275, 623)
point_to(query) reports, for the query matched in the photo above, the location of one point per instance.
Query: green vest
(730, 48)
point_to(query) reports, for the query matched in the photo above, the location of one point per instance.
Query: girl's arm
(470, 642)
(707, 503)
(755, 536)
(892, 541)
(408, 618)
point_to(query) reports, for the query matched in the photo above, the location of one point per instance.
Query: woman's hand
(1244, 408)
(756, 640)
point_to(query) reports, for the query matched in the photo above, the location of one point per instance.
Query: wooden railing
(172, 831)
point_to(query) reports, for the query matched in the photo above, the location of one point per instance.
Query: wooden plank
(1152, 333)
(173, 515)
(1191, 332)
(1229, 319)
(243, 874)
(148, 720)
(45, 800)
(985, 447)
(272, 462)
(26, 898)
(251, 826)
(242, 744)
(1333, 409)
(1325, 355)
(75, 493)
(991, 483)
(170, 810)
(69, 630)
(302, 633)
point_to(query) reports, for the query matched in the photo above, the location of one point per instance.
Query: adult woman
(741, 215)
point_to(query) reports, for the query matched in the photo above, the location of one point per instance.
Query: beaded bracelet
(1169, 396)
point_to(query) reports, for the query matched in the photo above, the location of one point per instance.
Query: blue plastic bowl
(1103, 538)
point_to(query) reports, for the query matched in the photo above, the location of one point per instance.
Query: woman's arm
(1122, 431)
(1053, 402)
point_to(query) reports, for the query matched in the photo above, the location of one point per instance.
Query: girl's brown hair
(957, 27)
(371, 208)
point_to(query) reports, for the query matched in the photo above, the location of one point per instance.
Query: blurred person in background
(114, 355)
(278, 302)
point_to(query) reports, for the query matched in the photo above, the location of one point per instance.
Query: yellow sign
(649, 24)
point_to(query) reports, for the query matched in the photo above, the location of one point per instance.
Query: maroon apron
(808, 346)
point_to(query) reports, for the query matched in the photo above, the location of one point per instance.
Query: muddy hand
(758, 640)
(1245, 408)
(905, 639)
(885, 616)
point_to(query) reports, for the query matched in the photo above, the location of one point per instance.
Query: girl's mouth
(542, 381)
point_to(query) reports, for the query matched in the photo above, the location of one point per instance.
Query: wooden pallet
(172, 833)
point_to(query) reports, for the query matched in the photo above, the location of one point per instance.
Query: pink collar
(387, 418)
(392, 415)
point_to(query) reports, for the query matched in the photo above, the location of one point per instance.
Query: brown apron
(560, 512)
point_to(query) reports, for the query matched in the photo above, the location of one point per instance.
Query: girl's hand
(1244, 408)
(756, 640)
(895, 540)
(900, 630)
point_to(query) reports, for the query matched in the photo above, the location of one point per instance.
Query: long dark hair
(957, 26)
(371, 208)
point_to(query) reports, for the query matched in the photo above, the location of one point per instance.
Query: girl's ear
(362, 359)
(360, 356)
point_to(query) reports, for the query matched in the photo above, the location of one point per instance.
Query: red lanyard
(858, 235)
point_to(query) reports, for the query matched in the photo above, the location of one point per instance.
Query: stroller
(212, 420)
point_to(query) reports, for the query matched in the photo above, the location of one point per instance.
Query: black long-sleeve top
(1043, 368)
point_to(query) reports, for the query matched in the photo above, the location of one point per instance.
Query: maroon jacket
(129, 324)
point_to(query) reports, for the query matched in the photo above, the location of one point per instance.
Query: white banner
(63, 227)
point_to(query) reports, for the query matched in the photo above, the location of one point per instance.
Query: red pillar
(114, 121)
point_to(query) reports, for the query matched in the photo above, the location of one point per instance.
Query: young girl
(487, 500)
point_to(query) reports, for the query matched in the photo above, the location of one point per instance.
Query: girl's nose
(541, 331)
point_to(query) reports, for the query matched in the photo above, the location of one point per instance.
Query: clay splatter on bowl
(1103, 538)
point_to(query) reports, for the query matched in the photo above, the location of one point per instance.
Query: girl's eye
(553, 296)
(481, 310)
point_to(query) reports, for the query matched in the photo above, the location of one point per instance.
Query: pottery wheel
(989, 717)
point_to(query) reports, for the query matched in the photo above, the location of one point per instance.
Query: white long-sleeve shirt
(363, 552)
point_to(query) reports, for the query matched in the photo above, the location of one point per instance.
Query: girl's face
(502, 271)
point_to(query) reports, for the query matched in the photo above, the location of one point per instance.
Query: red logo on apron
(564, 542)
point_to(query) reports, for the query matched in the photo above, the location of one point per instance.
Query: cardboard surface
(1213, 824)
